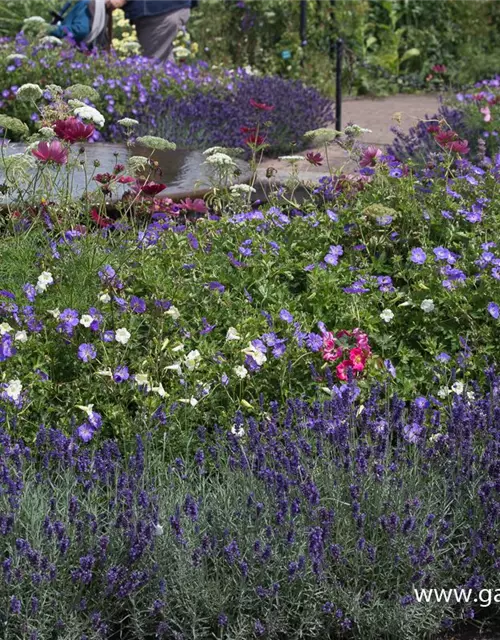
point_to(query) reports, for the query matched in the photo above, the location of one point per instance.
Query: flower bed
(245, 419)
(188, 104)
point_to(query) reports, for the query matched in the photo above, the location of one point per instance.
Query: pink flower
(329, 341)
(459, 146)
(486, 113)
(370, 156)
(357, 358)
(343, 368)
(198, 205)
(73, 130)
(51, 152)
(261, 106)
(332, 354)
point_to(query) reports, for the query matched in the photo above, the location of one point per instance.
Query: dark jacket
(135, 9)
(76, 21)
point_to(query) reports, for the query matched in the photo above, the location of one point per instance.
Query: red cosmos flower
(314, 158)
(126, 179)
(198, 205)
(445, 137)
(262, 106)
(100, 220)
(104, 178)
(246, 130)
(151, 188)
(73, 130)
(254, 139)
(51, 152)
(433, 128)
(119, 168)
(459, 146)
(370, 156)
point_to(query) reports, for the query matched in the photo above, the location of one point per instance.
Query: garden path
(376, 114)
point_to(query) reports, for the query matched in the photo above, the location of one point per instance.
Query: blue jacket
(135, 9)
(77, 21)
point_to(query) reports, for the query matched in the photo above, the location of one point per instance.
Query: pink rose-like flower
(73, 130)
(343, 368)
(51, 152)
(197, 205)
(332, 355)
(370, 156)
(329, 341)
(486, 113)
(357, 358)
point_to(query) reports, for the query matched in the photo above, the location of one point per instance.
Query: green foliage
(13, 12)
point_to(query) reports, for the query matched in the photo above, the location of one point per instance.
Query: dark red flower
(100, 221)
(246, 130)
(254, 139)
(73, 130)
(262, 106)
(314, 158)
(445, 137)
(126, 179)
(433, 128)
(151, 188)
(119, 168)
(103, 178)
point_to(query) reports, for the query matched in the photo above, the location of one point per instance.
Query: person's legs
(156, 34)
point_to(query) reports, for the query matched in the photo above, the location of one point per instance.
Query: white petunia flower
(160, 390)
(238, 432)
(158, 530)
(105, 297)
(55, 313)
(443, 392)
(5, 328)
(86, 320)
(232, 334)
(428, 305)
(387, 315)
(179, 347)
(86, 408)
(240, 371)
(122, 335)
(192, 401)
(173, 312)
(192, 359)
(256, 354)
(21, 336)
(105, 372)
(175, 367)
(142, 379)
(13, 389)
(44, 279)
(457, 387)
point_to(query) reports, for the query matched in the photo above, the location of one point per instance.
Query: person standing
(157, 23)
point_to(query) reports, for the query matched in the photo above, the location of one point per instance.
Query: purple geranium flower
(390, 368)
(493, 310)
(85, 432)
(121, 374)
(87, 352)
(286, 316)
(418, 255)
(137, 305)
(216, 286)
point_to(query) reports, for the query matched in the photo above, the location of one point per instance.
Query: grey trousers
(156, 34)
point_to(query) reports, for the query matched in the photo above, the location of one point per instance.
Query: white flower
(47, 132)
(192, 401)
(86, 408)
(256, 354)
(160, 390)
(232, 334)
(240, 371)
(21, 336)
(13, 390)
(428, 305)
(179, 347)
(55, 313)
(15, 56)
(457, 387)
(128, 122)
(158, 530)
(142, 380)
(175, 367)
(443, 392)
(220, 160)
(181, 52)
(122, 335)
(89, 113)
(387, 315)
(355, 130)
(105, 297)
(5, 328)
(242, 188)
(192, 359)
(105, 372)
(29, 92)
(86, 320)
(34, 20)
(470, 395)
(51, 40)
(238, 432)
(173, 312)
(44, 279)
